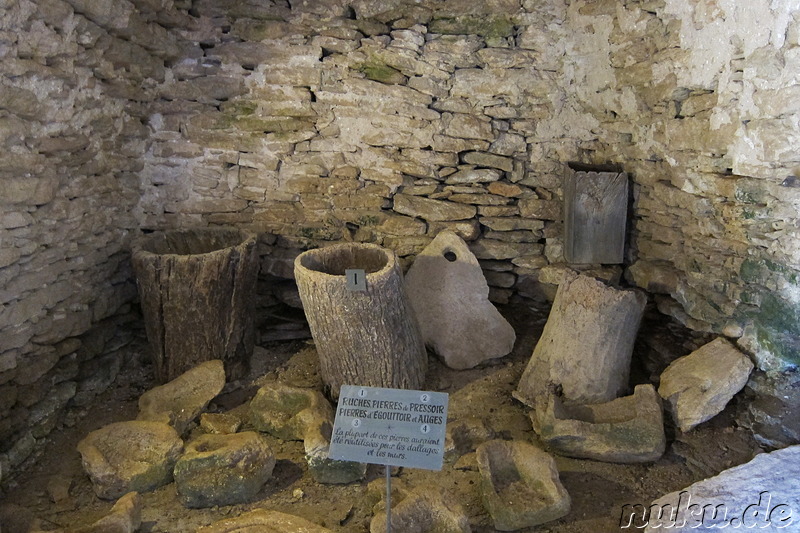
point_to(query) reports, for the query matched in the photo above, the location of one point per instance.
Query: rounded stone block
(223, 469)
(130, 456)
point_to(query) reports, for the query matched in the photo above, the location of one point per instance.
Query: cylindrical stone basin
(367, 336)
(197, 292)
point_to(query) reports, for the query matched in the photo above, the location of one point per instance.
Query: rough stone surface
(223, 469)
(116, 466)
(520, 485)
(449, 295)
(625, 430)
(117, 117)
(125, 517)
(424, 509)
(586, 345)
(263, 521)
(288, 412)
(292, 413)
(180, 401)
(762, 495)
(700, 385)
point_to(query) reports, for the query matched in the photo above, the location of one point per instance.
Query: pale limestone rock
(286, 412)
(125, 517)
(223, 469)
(761, 495)
(700, 385)
(424, 509)
(181, 400)
(115, 467)
(625, 430)
(220, 423)
(316, 442)
(586, 345)
(520, 485)
(654, 276)
(493, 249)
(449, 295)
(292, 413)
(263, 521)
(540, 209)
(464, 436)
(428, 209)
(483, 159)
(474, 175)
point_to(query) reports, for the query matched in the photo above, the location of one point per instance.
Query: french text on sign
(394, 427)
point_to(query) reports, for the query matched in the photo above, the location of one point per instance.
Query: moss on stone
(487, 26)
(368, 220)
(381, 72)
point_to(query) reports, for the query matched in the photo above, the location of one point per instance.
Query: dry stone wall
(387, 121)
(378, 122)
(74, 79)
(699, 101)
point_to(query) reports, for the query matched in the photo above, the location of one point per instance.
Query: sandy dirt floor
(598, 490)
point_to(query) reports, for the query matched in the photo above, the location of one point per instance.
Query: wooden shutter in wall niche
(595, 211)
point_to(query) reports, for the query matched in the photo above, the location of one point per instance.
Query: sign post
(391, 427)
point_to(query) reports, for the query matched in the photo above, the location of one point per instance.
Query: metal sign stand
(388, 499)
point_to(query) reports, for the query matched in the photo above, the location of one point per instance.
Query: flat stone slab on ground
(130, 456)
(761, 495)
(450, 297)
(699, 386)
(181, 400)
(287, 412)
(292, 413)
(223, 469)
(424, 510)
(520, 485)
(625, 430)
(263, 521)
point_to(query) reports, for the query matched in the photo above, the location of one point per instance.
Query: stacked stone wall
(699, 102)
(74, 82)
(386, 121)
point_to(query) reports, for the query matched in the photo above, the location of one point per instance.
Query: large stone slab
(288, 412)
(130, 456)
(700, 385)
(181, 400)
(762, 495)
(450, 297)
(429, 209)
(586, 345)
(520, 485)
(223, 469)
(263, 521)
(625, 430)
(426, 509)
(293, 413)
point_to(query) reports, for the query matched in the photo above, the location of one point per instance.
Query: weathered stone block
(449, 294)
(699, 385)
(266, 521)
(116, 468)
(223, 469)
(428, 209)
(520, 485)
(625, 430)
(180, 401)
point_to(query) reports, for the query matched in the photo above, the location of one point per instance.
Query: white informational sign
(393, 427)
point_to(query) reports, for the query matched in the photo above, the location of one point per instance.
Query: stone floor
(54, 492)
